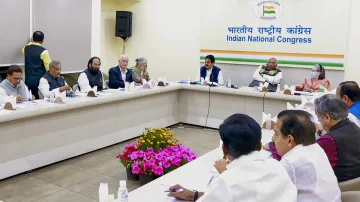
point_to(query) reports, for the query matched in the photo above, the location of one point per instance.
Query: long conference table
(41, 133)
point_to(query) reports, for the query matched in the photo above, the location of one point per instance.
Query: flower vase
(131, 176)
(144, 179)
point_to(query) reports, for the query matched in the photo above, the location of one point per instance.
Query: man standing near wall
(37, 62)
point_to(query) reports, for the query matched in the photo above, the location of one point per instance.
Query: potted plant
(155, 152)
(127, 162)
(151, 164)
(156, 138)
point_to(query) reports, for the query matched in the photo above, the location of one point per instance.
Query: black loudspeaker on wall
(123, 27)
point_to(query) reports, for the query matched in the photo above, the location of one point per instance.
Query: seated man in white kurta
(305, 161)
(269, 73)
(52, 83)
(211, 73)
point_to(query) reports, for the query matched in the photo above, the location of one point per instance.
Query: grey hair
(123, 56)
(53, 63)
(141, 61)
(331, 105)
(318, 69)
(276, 62)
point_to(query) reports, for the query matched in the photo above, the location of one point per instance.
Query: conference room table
(194, 176)
(40, 133)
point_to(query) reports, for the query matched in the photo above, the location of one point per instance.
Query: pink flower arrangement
(155, 152)
(125, 156)
(160, 162)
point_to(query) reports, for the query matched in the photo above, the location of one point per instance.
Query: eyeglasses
(17, 79)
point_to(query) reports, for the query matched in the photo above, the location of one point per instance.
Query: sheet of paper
(30, 103)
(200, 183)
(4, 112)
(45, 102)
(104, 94)
(21, 106)
(110, 90)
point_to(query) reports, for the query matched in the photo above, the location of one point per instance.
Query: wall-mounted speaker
(123, 25)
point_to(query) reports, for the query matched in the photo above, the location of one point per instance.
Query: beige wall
(352, 56)
(165, 32)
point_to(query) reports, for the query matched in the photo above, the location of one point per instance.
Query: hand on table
(220, 165)
(19, 99)
(186, 194)
(64, 88)
(33, 98)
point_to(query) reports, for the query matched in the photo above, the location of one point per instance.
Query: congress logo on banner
(268, 10)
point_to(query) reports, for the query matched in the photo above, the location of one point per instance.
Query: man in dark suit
(120, 74)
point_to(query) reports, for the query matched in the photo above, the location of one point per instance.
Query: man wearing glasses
(14, 86)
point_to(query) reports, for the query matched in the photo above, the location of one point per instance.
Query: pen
(176, 190)
(211, 179)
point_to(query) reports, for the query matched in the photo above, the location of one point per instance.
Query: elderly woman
(139, 72)
(342, 141)
(305, 161)
(317, 79)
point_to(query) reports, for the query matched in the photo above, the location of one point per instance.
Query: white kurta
(311, 172)
(267, 78)
(44, 88)
(252, 178)
(84, 84)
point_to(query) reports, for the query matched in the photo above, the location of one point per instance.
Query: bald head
(123, 61)
(272, 63)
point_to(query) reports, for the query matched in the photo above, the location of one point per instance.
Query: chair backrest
(350, 196)
(75, 87)
(106, 76)
(350, 185)
(41, 96)
(70, 80)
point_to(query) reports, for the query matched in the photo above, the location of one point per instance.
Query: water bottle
(52, 98)
(229, 83)
(321, 89)
(122, 192)
(268, 122)
(278, 88)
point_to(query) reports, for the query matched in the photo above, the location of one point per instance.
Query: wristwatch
(196, 196)
(320, 132)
